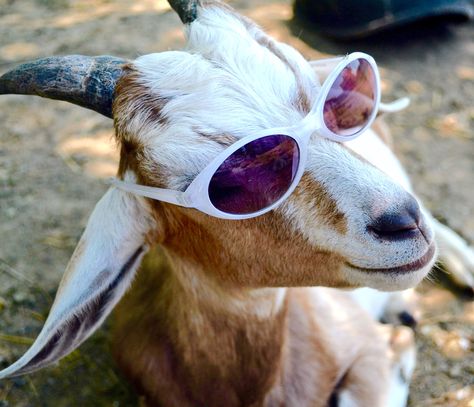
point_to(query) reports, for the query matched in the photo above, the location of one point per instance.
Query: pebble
(20, 296)
(455, 372)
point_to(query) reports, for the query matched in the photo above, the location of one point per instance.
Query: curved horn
(186, 9)
(85, 81)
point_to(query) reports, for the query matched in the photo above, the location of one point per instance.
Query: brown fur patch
(194, 354)
(180, 348)
(317, 199)
(133, 98)
(224, 140)
(226, 250)
(128, 161)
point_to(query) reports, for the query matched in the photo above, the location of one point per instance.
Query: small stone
(455, 372)
(11, 212)
(426, 330)
(19, 297)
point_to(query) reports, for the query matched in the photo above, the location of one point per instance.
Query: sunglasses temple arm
(159, 194)
(393, 107)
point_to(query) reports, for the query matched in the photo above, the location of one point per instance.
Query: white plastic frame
(196, 194)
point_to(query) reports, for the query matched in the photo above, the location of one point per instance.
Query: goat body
(184, 343)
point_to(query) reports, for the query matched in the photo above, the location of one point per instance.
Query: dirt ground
(54, 158)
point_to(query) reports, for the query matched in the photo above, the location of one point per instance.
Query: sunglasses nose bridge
(309, 125)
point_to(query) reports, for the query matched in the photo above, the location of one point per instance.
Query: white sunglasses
(258, 172)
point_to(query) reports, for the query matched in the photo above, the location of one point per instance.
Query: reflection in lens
(351, 99)
(256, 175)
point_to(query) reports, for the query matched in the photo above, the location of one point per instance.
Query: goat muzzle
(85, 81)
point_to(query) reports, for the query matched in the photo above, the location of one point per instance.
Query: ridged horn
(186, 9)
(85, 81)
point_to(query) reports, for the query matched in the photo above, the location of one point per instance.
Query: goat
(213, 324)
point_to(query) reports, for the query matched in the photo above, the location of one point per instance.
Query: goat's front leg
(381, 376)
(456, 255)
(403, 361)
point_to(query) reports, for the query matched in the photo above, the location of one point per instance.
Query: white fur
(455, 254)
(401, 374)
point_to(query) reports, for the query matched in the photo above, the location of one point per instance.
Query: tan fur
(187, 333)
(132, 93)
(227, 251)
(222, 139)
(319, 201)
(188, 350)
(134, 98)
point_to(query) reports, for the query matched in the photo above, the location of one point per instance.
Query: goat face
(347, 224)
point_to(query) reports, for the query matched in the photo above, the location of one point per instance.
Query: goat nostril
(398, 225)
(413, 209)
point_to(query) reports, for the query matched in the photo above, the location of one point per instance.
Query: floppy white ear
(99, 272)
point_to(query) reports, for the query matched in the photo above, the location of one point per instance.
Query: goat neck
(210, 344)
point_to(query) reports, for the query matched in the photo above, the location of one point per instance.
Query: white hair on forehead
(224, 83)
(235, 45)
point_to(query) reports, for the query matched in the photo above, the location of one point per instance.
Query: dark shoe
(347, 19)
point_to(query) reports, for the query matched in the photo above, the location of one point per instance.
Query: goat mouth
(406, 268)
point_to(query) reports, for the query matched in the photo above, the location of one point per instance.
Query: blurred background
(54, 158)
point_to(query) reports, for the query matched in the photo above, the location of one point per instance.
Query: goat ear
(99, 272)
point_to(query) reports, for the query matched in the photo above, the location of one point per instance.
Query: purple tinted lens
(351, 99)
(256, 175)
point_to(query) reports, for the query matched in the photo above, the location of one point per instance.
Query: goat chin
(386, 280)
(395, 278)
